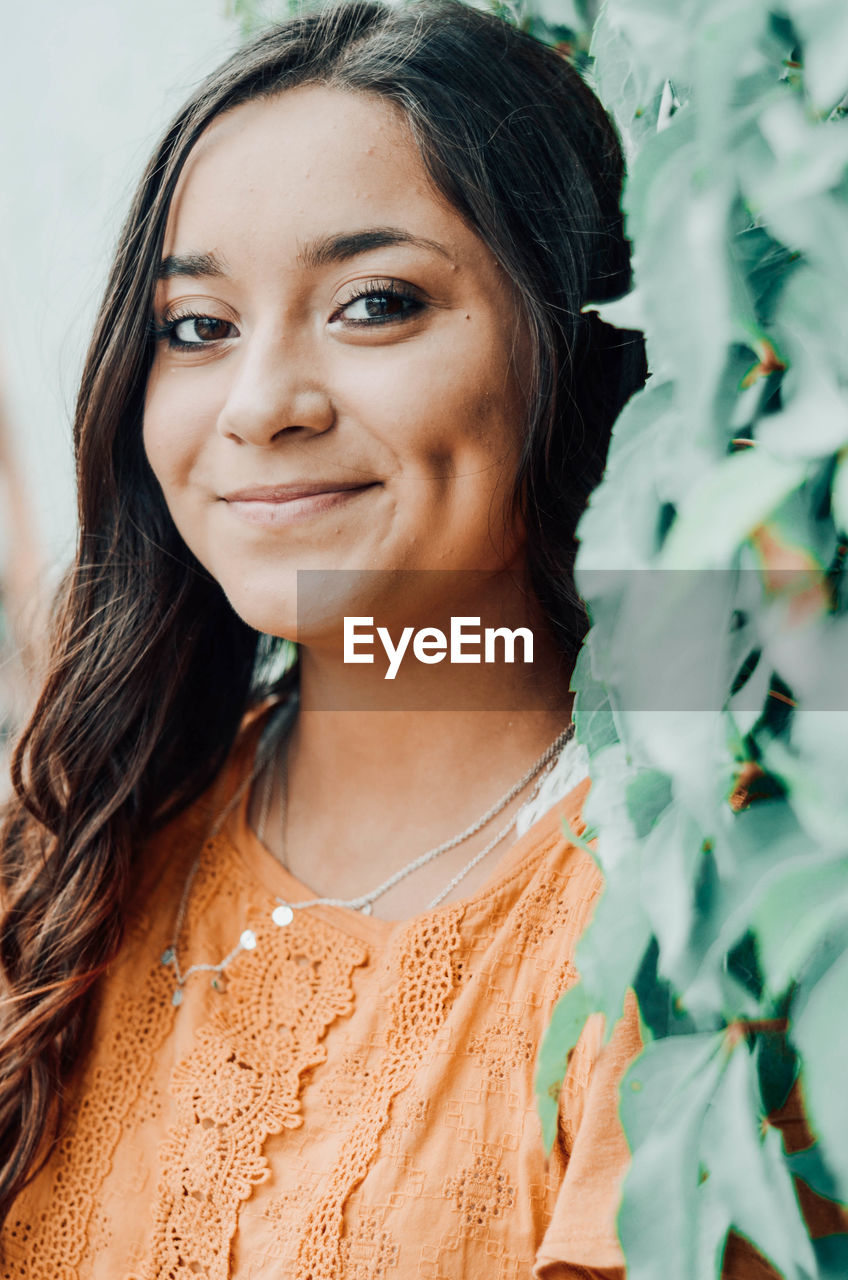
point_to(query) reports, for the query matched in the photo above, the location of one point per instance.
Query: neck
(370, 789)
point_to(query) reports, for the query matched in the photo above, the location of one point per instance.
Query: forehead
(306, 162)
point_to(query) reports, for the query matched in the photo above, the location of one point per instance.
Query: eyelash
(385, 289)
(166, 331)
(391, 289)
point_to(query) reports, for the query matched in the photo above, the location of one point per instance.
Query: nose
(276, 388)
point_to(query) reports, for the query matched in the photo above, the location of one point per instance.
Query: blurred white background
(85, 89)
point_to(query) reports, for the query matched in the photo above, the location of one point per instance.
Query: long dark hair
(151, 670)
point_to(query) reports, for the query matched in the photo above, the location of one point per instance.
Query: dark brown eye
(379, 305)
(385, 304)
(193, 331)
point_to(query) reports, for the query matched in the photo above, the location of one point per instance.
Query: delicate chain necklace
(283, 913)
(365, 901)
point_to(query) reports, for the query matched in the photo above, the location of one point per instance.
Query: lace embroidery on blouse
(52, 1245)
(241, 1082)
(424, 958)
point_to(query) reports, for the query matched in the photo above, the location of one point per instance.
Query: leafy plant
(252, 15)
(711, 692)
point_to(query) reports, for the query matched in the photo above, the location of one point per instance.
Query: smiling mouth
(282, 505)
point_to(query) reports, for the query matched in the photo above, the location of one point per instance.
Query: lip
(280, 505)
(292, 491)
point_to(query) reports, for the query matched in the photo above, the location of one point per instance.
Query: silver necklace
(283, 913)
(365, 901)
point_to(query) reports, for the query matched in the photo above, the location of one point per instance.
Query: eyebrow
(194, 265)
(328, 249)
(320, 252)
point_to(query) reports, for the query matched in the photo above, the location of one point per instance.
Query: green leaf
(607, 971)
(560, 13)
(624, 82)
(810, 160)
(593, 719)
(725, 508)
(753, 1182)
(751, 849)
(820, 1033)
(563, 1032)
(665, 1098)
(812, 764)
(648, 795)
(618, 536)
(823, 27)
(659, 1007)
(777, 1068)
(832, 1257)
(673, 648)
(685, 275)
(663, 1074)
(839, 493)
(671, 861)
(810, 308)
(801, 903)
(813, 420)
(582, 839)
(609, 968)
(808, 1164)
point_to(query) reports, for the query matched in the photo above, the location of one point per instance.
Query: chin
(308, 608)
(267, 605)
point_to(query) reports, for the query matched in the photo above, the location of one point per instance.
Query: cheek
(449, 402)
(451, 415)
(177, 421)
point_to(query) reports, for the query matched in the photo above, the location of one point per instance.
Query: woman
(277, 967)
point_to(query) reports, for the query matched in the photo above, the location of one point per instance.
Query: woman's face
(334, 382)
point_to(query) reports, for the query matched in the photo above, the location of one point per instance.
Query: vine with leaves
(711, 692)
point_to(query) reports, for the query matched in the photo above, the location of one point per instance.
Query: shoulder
(523, 932)
(556, 876)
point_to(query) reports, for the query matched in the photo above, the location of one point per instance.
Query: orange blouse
(356, 1100)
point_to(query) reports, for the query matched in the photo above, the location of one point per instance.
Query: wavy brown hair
(150, 669)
